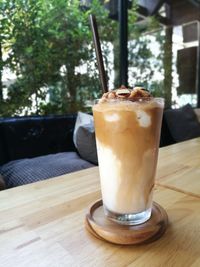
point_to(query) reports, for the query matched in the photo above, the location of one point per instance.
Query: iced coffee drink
(127, 126)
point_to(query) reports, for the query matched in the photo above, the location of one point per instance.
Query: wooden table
(42, 224)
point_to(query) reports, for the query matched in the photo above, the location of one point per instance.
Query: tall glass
(127, 136)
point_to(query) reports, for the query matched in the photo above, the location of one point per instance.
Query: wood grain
(42, 224)
(179, 167)
(107, 230)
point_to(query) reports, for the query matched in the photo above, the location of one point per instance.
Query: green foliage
(143, 62)
(47, 42)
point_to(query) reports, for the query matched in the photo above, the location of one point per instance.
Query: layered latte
(127, 127)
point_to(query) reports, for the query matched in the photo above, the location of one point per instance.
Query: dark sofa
(30, 137)
(38, 148)
(180, 125)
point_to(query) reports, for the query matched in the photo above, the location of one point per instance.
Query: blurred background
(48, 63)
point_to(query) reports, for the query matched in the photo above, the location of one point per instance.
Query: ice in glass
(127, 127)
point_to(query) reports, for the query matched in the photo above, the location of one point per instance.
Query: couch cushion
(183, 123)
(28, 137)
(3, 151)
(84, 137)
(166, 138)
(25, 171)
(197, 112)
(2, 183)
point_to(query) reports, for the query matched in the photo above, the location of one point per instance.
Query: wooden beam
(163, 20)
(183, 12)
(142, 11)
(167, 61)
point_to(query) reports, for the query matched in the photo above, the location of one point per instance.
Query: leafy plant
(48, 45)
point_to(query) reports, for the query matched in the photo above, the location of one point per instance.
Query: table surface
(42, 224)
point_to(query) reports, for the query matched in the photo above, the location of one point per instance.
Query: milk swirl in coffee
(127, 126)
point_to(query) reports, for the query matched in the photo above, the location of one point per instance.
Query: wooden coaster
(101, 227)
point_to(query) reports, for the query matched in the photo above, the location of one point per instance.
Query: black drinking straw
(98, 53)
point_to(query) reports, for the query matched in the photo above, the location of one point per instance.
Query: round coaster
(101, 227)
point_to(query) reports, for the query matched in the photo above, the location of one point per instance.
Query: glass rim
(135, 99)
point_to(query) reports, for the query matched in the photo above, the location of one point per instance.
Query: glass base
(128, 219)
